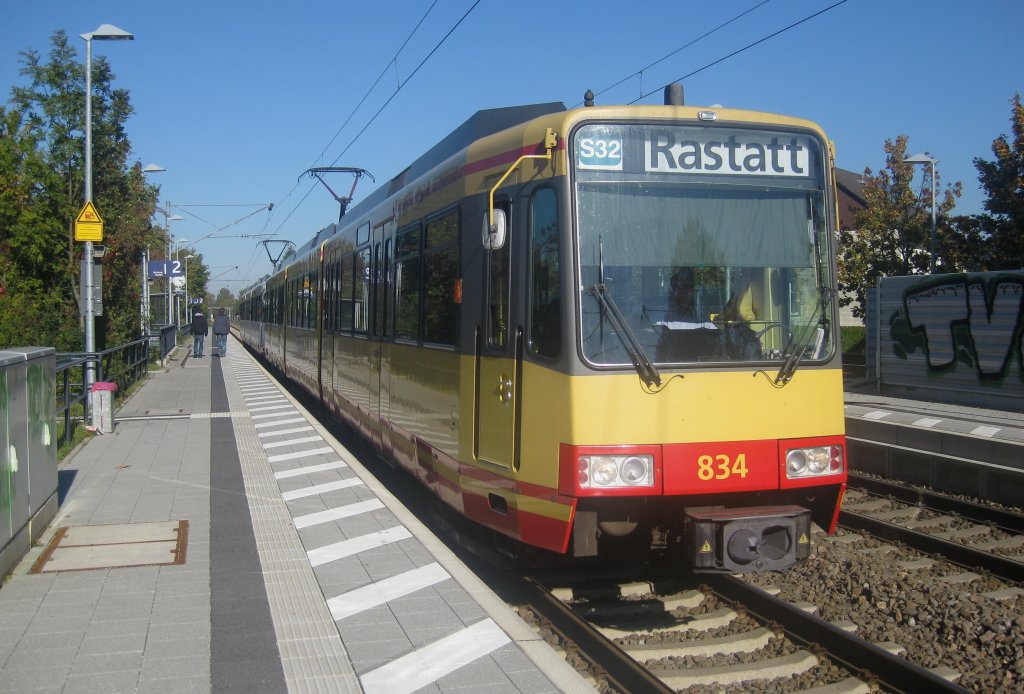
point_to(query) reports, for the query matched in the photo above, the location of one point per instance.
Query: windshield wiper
(641, 362)
(791, 353)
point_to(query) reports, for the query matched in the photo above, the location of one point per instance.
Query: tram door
(330, 328)
(498, 364)
(379, 363)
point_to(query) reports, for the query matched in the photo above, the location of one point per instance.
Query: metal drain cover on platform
(78, 548)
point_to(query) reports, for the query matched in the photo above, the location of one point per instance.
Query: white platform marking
(927, 422)
(876, 414)
(265, 400)
(282, 432)
(985, 431)
(293, 420)
(333, 514)
(299, 454)
(355, 601)
(269, 408)
(346, 548)
(321, 488)
(432, 662)
(276, 414)
(289, 442)
(295, 472)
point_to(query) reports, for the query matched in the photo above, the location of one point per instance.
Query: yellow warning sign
(706, 547)
(88, 224)
(803, 539)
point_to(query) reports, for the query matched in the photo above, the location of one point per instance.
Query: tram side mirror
(494, 234)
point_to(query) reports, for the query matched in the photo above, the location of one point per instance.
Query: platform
(221, 540)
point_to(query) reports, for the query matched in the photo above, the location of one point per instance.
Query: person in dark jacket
(221, 328)
(199, 330)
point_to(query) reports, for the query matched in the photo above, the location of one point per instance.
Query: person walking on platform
(221, 328)
(199, 330)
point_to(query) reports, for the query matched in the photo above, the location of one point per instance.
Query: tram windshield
(711, 244)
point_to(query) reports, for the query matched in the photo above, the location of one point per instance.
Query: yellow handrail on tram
(550, 142)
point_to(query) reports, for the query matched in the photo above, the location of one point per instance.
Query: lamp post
(168, 217)
(925, 158)
(188, 305)
(177, 254)
(106, 32)
(149, 168)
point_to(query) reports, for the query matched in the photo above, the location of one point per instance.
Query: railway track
(970, 534)
(645, 638)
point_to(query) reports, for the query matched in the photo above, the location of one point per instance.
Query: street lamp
(148, 168)
(168, 218)
(106, 32)
(925, 158)
(188, 305)
(176, 255)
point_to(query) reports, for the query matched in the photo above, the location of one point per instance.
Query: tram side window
(377, 288)
(335, 294)
(388, 326)
(361, 291)
(441, 266)
(304, 289)
(345, 302)
(327, 294)
(407, 284)
(313, 303)
(498, 296)
(545, 276)
(293, 304)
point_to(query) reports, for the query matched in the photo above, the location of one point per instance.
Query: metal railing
(124, 365)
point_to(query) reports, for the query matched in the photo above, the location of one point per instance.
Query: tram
(591, 331)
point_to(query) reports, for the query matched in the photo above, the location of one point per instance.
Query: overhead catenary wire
(381, 109)
(393, 61)
(665, 57)
(217, 229)
(745, 48)
(402, 84)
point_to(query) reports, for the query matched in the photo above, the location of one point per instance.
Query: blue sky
(237, 99)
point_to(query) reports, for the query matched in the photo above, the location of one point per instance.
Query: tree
(1003, 181)
(224, 298)
(30, 292)
(892, 235)
(47, 117)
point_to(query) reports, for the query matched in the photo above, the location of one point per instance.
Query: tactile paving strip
(81, 548)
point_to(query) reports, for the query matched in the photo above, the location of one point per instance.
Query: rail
(893, 672)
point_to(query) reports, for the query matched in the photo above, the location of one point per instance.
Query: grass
(853, 339)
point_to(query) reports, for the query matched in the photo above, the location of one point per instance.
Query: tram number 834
(721, 467)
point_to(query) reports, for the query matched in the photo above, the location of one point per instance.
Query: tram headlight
(814, 461)
(615, 471)
(603, 471)
(796, 463)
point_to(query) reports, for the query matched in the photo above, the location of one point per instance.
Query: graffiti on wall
(964, 321)
(7, 456)
(41, 385)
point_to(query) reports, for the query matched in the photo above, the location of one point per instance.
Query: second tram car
(591, 330)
